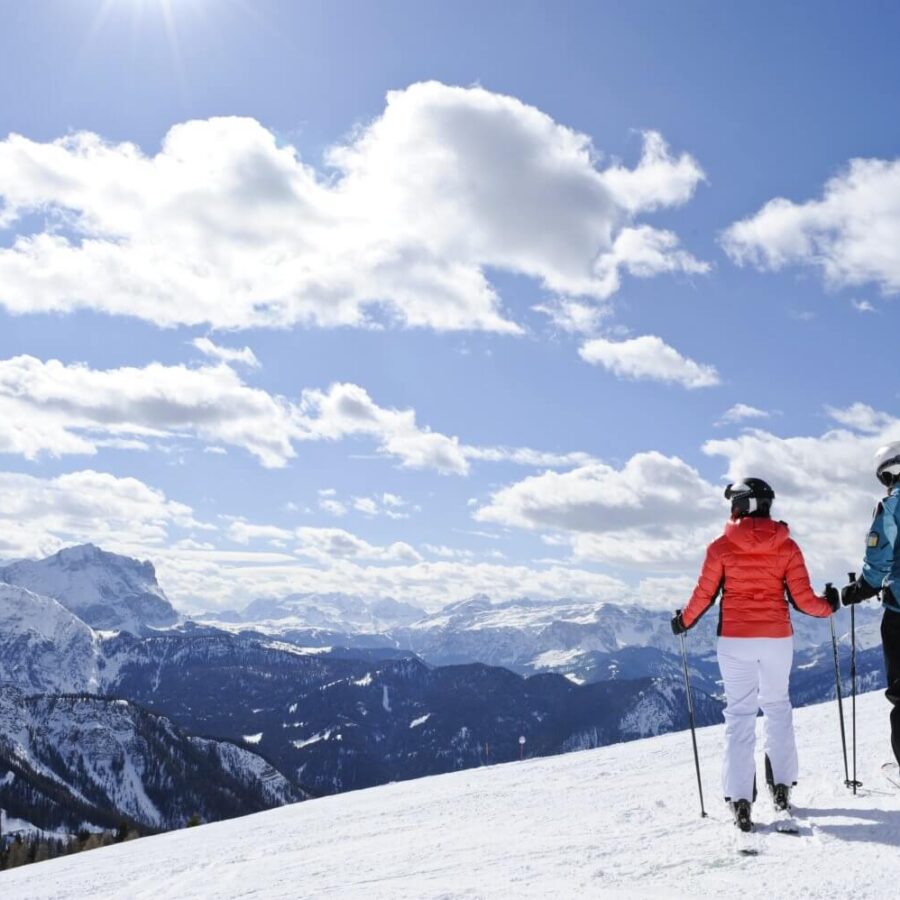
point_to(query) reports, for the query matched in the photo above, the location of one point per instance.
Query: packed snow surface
(621, 821)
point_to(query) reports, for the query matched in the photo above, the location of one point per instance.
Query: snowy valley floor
(621, 821)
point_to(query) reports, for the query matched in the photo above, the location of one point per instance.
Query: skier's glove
(678, 626)
(857, 591)
(832, 597)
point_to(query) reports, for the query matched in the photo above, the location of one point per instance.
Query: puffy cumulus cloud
(40, 515)
(54, 408)
(643, 251)
(58, 409)
(575, 316)
(851, 233)
(329, 503)
(326, 544)
(824, 484)
(347, 410)
(861, 417)
(741, 412)
(648, 358)
(244, 356)
(389, 505)
(243, 532)
(226, 225)
(655, 509)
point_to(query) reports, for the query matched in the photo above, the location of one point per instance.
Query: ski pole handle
(852, 577)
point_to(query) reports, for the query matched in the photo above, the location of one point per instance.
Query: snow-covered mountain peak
(105, 590)
(331, 611)
(43, 646)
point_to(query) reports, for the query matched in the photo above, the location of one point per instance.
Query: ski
(785, 823)
(745, 843)
(891, 772)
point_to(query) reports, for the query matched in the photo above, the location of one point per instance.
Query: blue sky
(789, 315)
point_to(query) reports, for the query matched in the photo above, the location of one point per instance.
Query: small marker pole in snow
(521, 746)
(690, 702)
(854, 783)
(840, 698)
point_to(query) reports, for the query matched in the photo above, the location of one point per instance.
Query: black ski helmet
(750, 497)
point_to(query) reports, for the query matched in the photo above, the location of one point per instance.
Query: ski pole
(690, 702)
(840, 698)
(854, 783)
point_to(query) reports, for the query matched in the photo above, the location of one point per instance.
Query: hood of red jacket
(756, 534)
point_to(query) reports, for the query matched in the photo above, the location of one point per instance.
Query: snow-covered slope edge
(620, 821)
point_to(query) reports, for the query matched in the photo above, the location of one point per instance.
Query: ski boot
(740, 809)
(744, 839)
(781, 800)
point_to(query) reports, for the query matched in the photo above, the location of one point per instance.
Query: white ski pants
(755, 672)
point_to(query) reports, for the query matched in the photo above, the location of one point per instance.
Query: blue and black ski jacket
(881, 568)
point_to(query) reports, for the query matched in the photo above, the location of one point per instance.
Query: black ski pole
(854, 783)
(840, 698)
(690, 702)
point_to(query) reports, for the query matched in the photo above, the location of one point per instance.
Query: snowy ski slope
(621, 821)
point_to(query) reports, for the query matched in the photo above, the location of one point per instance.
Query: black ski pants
(890, 640)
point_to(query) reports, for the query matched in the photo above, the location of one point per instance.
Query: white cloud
(243, 532)
(366, 505)
(204, 579)
(656, 509)
(525, 456)
(57, 409)
(667, 592)
(658, 181)
(322, 544)
(824, 484)
(390, 505)
(575, 316)
(863, 306)
(347, 410)
(226, 226)
(741, 412)
(40, 515)
(245, 356)
(861, 417)
(648, 358)
(851, 233)
(329, 503)
(329, 544)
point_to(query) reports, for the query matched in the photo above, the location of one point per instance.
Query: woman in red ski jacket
(756, 569)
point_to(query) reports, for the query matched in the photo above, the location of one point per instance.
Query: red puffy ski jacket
(757, 568)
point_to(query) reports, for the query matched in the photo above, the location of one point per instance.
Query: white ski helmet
(887, 463)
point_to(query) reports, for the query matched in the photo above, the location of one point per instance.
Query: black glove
(678, 626)
(832, 597)
(857, 591)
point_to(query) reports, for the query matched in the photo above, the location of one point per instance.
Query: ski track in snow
(619, 821)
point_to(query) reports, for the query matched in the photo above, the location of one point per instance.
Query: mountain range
(322, 693)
